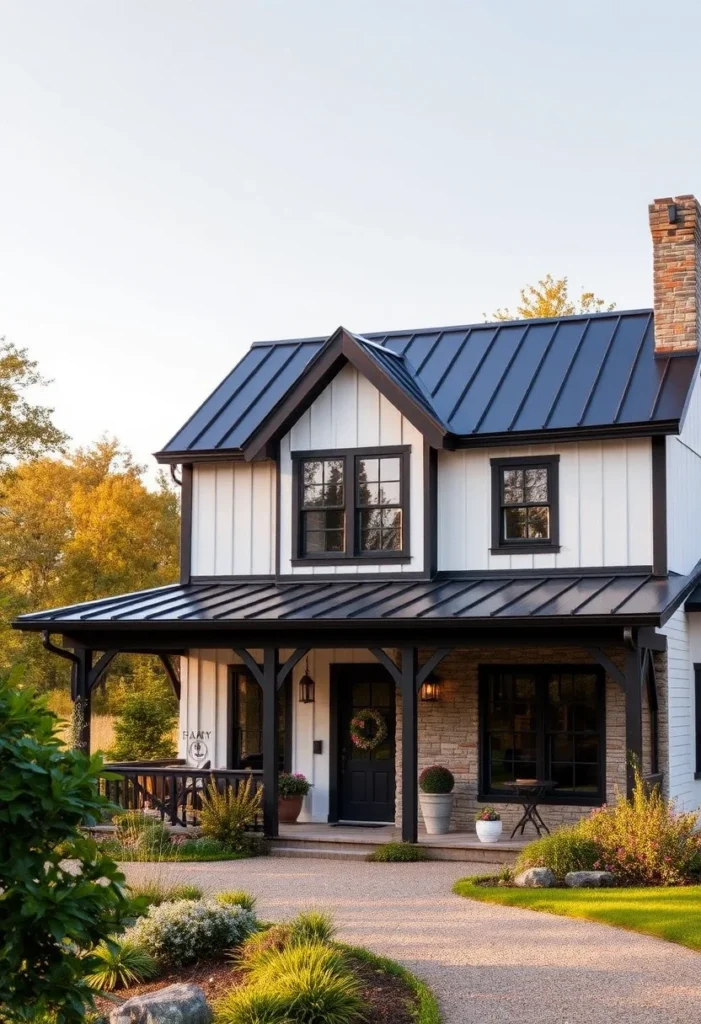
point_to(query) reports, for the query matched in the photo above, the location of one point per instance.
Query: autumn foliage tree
(77, 528)
(551, 297)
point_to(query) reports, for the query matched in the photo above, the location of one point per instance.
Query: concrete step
(492, 853)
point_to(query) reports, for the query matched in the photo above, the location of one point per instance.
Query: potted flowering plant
(292, 789)
(488, 825)
(436, 796)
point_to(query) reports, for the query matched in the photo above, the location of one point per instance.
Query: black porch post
(634, 716)
(270, 741)
(81, 696)
(410, 752)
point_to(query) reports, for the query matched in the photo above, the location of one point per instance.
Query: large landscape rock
(589, 879)
(535, 878)
(177, 1004)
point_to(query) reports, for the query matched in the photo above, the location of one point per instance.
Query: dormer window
(351, 505)
(525, 504)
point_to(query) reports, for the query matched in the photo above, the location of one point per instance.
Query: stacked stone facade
(448, 730)
(675, 224)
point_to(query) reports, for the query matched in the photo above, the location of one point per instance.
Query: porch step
(503, 853)
(320, 854)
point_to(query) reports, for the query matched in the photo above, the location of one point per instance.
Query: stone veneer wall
(448, 729)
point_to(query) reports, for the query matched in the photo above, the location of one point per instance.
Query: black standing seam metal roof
(487, 379)
(535, 598)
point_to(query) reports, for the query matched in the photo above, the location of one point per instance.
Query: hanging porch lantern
(306, 686)
(431, 689)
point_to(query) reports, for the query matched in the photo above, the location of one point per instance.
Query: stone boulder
(177, 1004)
(535, 878)
(589, 879)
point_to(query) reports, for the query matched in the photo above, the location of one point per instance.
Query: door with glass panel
(366, 777)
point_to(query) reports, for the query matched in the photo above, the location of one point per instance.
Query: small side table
(530, 793)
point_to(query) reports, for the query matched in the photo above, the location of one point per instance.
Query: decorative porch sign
(198, 745)
(359, 725)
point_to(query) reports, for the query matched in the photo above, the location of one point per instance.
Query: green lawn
(673, 914)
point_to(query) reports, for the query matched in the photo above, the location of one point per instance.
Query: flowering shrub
(436, 779)
(292, 784)
(189, 930)
(644, 841)
(488, 814)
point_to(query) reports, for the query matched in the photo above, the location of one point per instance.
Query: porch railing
(172, 789)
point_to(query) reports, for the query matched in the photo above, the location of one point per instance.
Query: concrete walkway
(485, 963)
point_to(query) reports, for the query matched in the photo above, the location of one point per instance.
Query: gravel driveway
(485, 963)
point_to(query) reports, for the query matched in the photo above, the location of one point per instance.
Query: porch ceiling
(493, 599)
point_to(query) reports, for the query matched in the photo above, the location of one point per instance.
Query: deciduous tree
(551, 297)
(26, 429)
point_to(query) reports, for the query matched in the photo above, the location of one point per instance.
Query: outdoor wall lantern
(306, 686)
(431, 689)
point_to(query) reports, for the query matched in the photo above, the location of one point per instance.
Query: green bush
(147, 716)
(436, 779)
(52, 918)
(568, 848)
(226, 816)
(643, 841)
(189, 930)
(312, 926)
(122, 962)
(237, 898)
(304, 984)
(152, 893)
(393, 853)
(277, 937)
(154, 840)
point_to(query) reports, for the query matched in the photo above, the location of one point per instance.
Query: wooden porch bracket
(97, 671)
(432, 663)
(270, 678)
(613, 670)
(171, 673)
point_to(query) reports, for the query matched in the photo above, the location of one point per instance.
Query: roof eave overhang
(548, 436)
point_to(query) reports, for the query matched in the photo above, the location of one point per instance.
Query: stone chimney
(676, 248)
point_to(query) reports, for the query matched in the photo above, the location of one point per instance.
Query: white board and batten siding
(683, 633)
(351, 413)
(605, 506)
(684, 490)
(233, 519)
(205, 713)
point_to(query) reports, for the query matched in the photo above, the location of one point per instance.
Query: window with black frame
(247, 723)
(543, 723)
(525, 504)
(379, 503)
(323, 507)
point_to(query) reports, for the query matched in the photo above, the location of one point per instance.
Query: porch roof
(517, 598)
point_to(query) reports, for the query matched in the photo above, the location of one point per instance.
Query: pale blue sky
(178, 179)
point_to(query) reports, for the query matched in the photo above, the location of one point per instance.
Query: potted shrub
(436, 796)
(488, 825)
(292, 789)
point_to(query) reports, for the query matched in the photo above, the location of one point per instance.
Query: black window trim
(697, 717)
(525, 546)
(353, 556)
(577, 800)
(285, 697)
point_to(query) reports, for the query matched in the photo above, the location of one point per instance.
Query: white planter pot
(488, 831)
(436, 809)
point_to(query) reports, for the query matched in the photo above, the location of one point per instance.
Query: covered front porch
(522, 694)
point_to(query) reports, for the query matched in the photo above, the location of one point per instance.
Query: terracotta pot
(288, 808)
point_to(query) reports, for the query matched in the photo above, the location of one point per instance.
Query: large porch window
(246, 722)
(544, 722)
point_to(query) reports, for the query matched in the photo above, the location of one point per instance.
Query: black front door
(365, 777)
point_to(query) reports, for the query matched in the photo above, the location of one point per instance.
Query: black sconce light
(431, 689)
(306, 686)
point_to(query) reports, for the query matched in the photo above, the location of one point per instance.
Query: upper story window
(351, 505)
(525, 504)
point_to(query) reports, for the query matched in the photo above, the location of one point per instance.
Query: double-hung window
(525, 504)
(351, 505)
